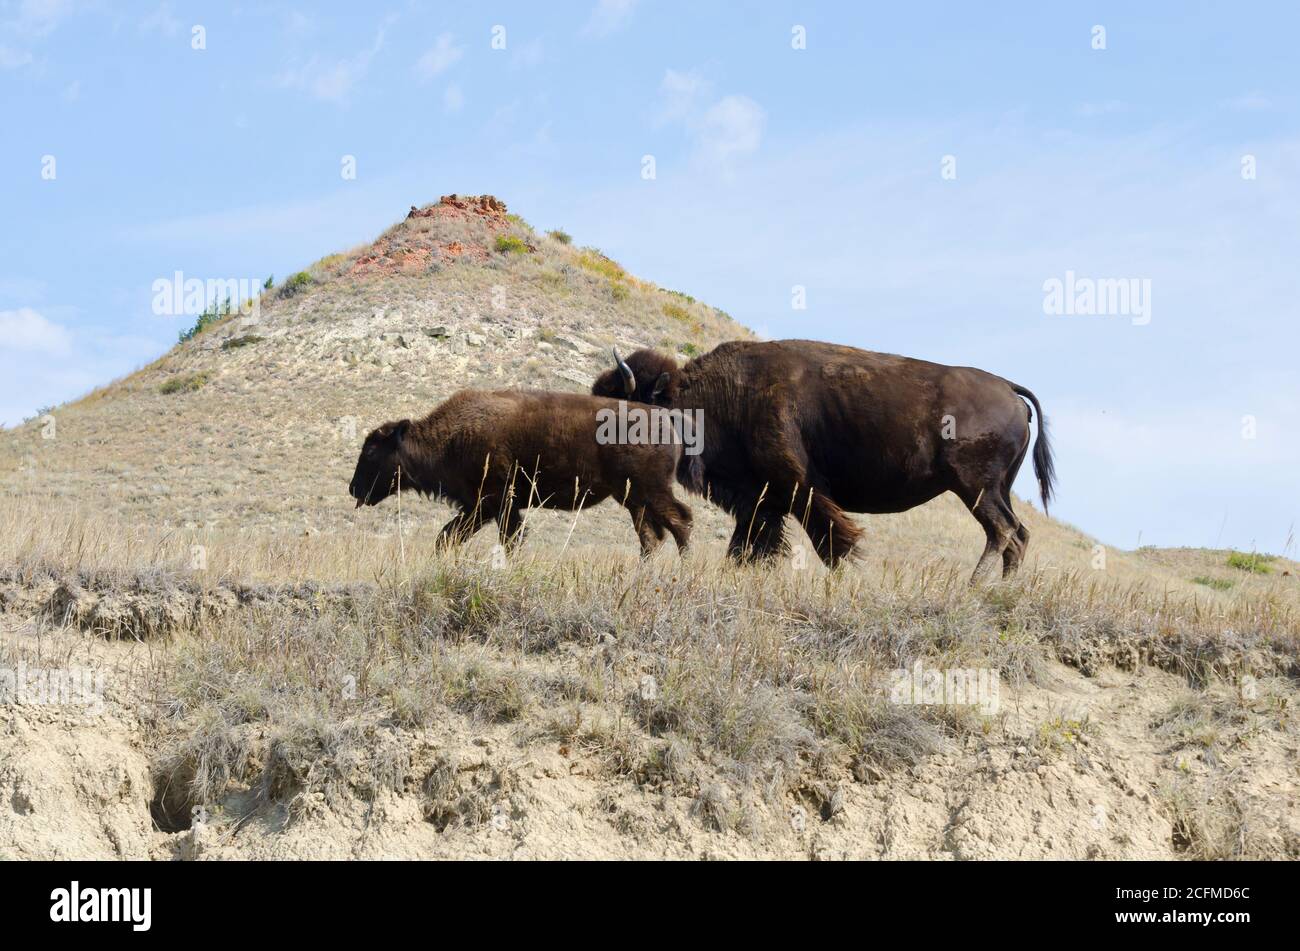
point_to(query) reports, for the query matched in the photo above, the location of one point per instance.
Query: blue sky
(822, 168)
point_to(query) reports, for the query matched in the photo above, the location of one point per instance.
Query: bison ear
(399, 431)
(661, 384)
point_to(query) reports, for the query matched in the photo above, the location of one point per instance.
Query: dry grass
(720, 681)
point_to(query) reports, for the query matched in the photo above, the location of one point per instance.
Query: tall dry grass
(693, 673)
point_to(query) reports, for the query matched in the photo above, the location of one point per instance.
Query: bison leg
(832, 532)
(679, 522)
(647, 527)
(459, 528)
(667, 512)
(1017, 544)
(1000, 527)
(759, 534)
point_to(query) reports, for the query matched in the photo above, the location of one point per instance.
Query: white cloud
(609, 16)
(732, 126)
(334, 81)
(679, 94)
(725, 129)
(28, 331)
(528, 55)
(38, 18)
(441, 57)
(11, 58)
(452, 98)
(161, 21)
(25, 24)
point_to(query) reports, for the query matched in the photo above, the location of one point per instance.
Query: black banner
(1222, 901)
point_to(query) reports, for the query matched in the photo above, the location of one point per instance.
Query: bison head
(376, 476)
(646, 376)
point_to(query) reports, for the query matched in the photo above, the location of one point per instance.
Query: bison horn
(629, 378)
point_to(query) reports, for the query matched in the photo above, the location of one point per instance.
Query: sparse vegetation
(243, 340)
(1218, 584)
(184, 383)
(676, 312)
(561, 236)
(211, 316)
(510, 244)
(296, 284)
(592, 260)
(1253, 563)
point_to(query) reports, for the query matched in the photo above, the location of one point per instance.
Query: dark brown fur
(816, 430)
(493, 454)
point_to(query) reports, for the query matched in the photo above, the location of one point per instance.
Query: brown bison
(494, 454)
(816, 430)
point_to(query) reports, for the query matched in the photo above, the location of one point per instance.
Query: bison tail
(1044, 466)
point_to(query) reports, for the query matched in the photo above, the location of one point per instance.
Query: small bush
(561, 236)
(689, 349)
(184, 383)
(295, 284)
(676, 312)
(509, 244)
(211, 315)
(243, 340)
(1254, 563)
(619, 290)
(592, 260)
(1218, 584)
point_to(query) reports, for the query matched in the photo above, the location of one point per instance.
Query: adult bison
(816, 430)
(493, 454)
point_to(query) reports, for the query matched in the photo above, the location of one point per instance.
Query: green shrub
(561, 236)
(689, 349)
(295, 284)
(510, 244)
(1218, 584)
(211, 314)
(619, 290)
(241, 341)
(1254, 563)
(184, 383)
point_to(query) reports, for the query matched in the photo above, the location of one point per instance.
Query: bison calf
(494, 454)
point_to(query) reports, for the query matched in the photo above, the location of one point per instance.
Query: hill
(285, 675)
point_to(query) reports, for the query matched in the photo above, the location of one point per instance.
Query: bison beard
(815, 430)
(494, 454)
